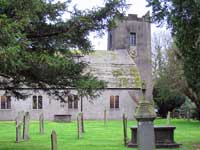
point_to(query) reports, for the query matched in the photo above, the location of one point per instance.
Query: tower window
(114, 101)
(132, 39)
(110, 40)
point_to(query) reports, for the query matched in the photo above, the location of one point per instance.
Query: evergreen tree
(36, 43)
(183, 17)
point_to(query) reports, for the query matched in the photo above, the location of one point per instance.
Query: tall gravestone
(125, 129)
(145, 116)
(41, 123)
(168, 118)
(18, 129)
(26, 126)
(53, 140)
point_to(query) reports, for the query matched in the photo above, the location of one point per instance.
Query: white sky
(137, 7)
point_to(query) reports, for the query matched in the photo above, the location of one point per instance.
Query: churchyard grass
(96, 136)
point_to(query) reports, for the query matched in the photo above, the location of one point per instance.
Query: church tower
(134, 34)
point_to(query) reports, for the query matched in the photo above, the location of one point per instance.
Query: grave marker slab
(26, 126)
(18, 129)
(53, 140)
(41, 121)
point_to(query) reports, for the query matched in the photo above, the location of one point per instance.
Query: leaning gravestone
(125, 129)
(79, 126)
(168, 118)
(26, 126)
(41, 120)
(53, 140)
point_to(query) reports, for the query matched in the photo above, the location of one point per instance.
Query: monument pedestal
(164, 137)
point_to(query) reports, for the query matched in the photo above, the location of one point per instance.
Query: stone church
(124, 66)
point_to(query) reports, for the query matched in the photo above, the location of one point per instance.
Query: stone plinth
(164, 137)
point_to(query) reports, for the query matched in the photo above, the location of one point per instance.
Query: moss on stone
(117, 73)
(123, 82)
(137, 79)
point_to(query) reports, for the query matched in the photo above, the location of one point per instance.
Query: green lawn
(96, 137)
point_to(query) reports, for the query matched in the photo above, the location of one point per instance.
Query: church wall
(92, 110)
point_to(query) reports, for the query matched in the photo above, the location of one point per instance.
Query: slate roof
(117, 68)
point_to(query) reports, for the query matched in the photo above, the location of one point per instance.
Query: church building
(125, 65)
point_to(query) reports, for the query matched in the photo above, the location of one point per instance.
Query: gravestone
(145, 115)
(79, 126)
(41, 123)
(26, 126)
(188, 115)
(125, 129)
(18, 128)
(168, 118)
(53, 140)
(105, 117)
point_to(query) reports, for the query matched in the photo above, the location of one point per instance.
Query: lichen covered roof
(117, 68)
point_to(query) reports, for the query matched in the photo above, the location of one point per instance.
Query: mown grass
(96, 137)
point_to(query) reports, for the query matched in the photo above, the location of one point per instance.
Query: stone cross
(18, 129)
(168, 118)
(79, 126)
(105, 117)
(125, 129)
(26, 126)
(53, 140)
(41, 120)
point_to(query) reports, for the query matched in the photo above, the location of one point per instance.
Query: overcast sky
(136, 7)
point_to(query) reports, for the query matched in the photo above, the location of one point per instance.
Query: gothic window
(73, 102)
(5, 102)
(37, 102)
(114, 102)
(132, 39)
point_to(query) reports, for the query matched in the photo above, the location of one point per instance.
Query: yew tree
(37, 43)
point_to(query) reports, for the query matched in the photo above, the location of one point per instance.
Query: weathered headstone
(41, 120)
(53, 140)
(26, 126)
(125, 129)
(105, 117)
(168, 118)
(145, 115)
(79, 126)
(18, 129)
